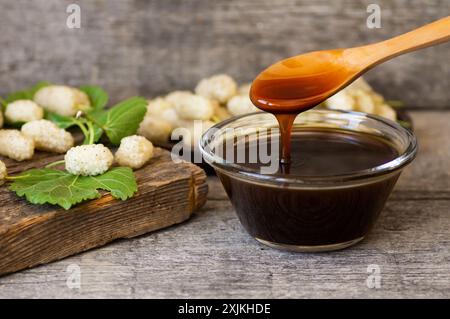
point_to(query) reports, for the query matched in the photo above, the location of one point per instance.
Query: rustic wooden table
(212, 256)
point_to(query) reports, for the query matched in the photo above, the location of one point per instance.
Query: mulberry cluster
(180, 109)
(359, 96)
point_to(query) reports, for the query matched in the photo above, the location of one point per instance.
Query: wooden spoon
(299, 83)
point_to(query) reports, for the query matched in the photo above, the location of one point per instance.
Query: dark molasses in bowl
(343, 168)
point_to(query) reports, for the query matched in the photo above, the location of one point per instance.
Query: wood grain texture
(168, 193)
(212, 256)
(152, 47)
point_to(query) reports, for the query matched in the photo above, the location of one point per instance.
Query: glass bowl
(305, 213)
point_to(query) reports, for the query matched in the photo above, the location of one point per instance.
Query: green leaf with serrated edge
(27, 94)
(123, 119)
(50, 186)
(42, 186)
(97, 96)
(119, 181)
(60, 120)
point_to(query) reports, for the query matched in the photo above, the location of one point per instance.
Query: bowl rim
(240, 171)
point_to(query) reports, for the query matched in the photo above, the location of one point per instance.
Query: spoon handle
(431, 34)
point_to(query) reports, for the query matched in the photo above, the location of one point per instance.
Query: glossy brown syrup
(316, 215)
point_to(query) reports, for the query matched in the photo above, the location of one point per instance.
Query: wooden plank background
(151, 47)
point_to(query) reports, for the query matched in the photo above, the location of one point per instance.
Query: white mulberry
(22, 111)
(3, 172)
(134, 151)
(363, 102)
(176, 96)
(359, 96)
(194, 107)
(359, 84)
(62, 100)
(220, 87)
(220, 112)
(241, 104)
(48, 136)
(155, 129)
(15, 145)
(340, 101)
(88, 160)
(160, 119)
(386, 111)
(157, 106)
(170, 116)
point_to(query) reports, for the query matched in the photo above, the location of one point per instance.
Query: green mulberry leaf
(97, 96)
(123, 119)
(60, 120)
(50, 186)
(119, 181)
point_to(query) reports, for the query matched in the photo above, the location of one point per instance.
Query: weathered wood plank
(152, 47)
(30, 235)
(212, 256)
(429, 175)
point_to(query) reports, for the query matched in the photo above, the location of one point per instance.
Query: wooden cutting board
(168, 193)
